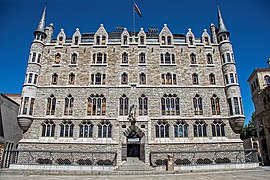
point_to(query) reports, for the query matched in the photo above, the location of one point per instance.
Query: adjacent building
(100, 98)
(259, 82)
(10, 131)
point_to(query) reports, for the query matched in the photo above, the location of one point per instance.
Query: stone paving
(262, 173)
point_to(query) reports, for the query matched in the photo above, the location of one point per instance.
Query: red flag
(137, 10)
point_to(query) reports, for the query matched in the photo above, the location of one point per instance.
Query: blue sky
(247, 20)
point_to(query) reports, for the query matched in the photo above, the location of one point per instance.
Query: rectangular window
(34, 57)
(31, 106)
(30, 78)
(230, 106)
(39, 56)
(25, 105)
(226, 79)
(35, 79)
(236, 105)
(232, 78)
(228, 57)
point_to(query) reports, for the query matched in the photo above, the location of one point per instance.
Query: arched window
(96, 105)
(71, 79)
(124, 78)
(197, 104)
(212, 79)
(267, 79)
(142, 78)
(162, 129)
(104, 129)
(48, 128)
(168, 78)
(73, 58)
(124, 57)
(195, 79)
(123, 101)
(209, 59)
(190, 40)
(143, 105)
(51, 105)
(180, 129)
(66, 129)
(98, 78)
(86, 129)
(199, 129)
(170, 104)
(141, 58)
(215, 105)
(193, 58)
(125, 40)
(99, 58)
(57, 58)
(69, 100)
(167, 58)
(54, 79)
(218, 128)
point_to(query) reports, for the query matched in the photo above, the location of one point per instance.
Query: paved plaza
(262, 173)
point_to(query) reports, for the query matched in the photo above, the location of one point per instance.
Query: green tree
(249, 131)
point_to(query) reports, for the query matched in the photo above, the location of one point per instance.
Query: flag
(137, 10)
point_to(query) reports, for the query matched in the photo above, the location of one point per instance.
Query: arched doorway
(134, 145)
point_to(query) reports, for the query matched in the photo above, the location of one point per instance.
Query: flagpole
(133, 21)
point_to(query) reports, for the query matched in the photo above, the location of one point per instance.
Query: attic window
(190, 39)
(76, 40)
(61, 40)
(169, 40)
(141, 39)
(125, 40)
(103, 40)
(206, 40)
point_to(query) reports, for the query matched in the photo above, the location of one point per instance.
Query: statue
(132, 112)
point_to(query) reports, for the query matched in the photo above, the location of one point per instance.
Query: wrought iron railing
(185, 158)
(43, 157)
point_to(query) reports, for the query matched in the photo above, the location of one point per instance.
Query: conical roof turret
(41, 25)
(221, 26)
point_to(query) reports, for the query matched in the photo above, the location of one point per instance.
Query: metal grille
(30, 157)
(184, 158)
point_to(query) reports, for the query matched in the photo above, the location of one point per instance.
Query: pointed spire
(41, 25)
(221, 26)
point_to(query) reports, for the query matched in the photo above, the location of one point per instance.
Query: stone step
(134, 164)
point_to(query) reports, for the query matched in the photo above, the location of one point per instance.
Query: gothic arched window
(212, 79)
(195, 79)
(209, 59)
(170, 104)
(180, 129)
(86, 129)
(66, 129)
(54, 79)
(123, 101)
(162, 129)
(104, 129)
(199, 129)
(51, 105)
(141, 58)
(215, 105)
(193, 58)
(69, 100)
(96, 105)
(71, 79)
(124, 57)
(48, 128)
(197, 104)
(218, 128)
(143, 105)
(142, 78)
(73, 58)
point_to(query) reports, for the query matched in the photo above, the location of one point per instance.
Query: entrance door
(133, 150)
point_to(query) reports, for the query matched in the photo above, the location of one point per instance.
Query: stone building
(107, 96)
(10, 131)
(259, 82)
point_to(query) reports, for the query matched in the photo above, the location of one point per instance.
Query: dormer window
(163, 40)
(169, 40)
(76, 40)
(141, 39)
(190, 39)
(125, 40)
(61, 40)
(98, 40)
(103, 40)
(206, 41)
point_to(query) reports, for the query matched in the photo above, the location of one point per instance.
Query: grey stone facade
(164, 53)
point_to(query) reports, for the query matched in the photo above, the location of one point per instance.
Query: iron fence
(42, 157)
(185, 158)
